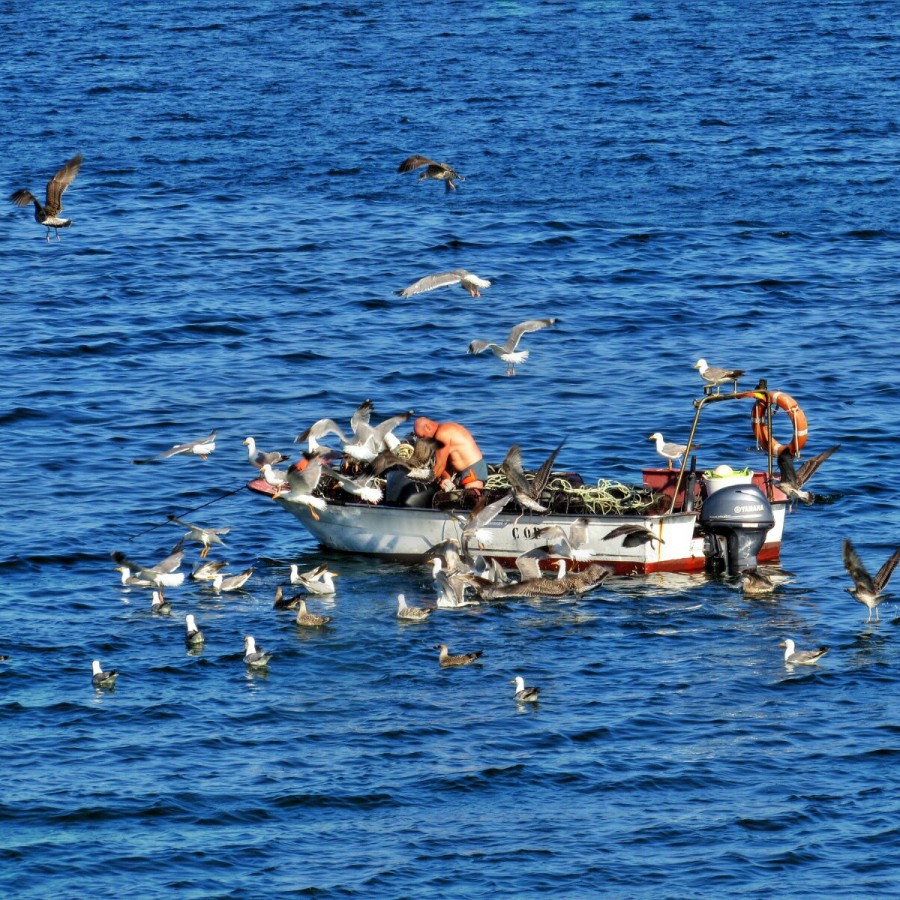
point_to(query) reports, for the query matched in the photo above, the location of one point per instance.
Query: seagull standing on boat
(447, 659)
(48, 214)
(202, 447)
(668, 450)
(468, 281)
(793, 480)
(254, 656)
(204, 536)
(507, 351)
(866, 589)
(411, 613)
(193, 636)
(363, 486)
(260, 457)
(715, 376)
(525, 694)
(794, 657)
(437, 170)
(101, 679)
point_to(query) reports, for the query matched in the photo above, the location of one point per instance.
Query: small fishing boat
(676, 520)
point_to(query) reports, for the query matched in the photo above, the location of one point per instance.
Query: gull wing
(858, 572)
(808, 469)
(515, 334)
(430, 282)
(885, 572)
(57, 185)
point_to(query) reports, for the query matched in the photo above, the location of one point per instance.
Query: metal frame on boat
(685, 543)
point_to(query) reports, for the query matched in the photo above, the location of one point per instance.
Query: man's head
(424, 427)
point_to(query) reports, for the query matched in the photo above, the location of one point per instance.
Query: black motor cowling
(736, 520)
(401, 490)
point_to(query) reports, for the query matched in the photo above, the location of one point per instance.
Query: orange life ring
(795, 414)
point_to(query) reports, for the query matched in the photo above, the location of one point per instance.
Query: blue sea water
(670, 181)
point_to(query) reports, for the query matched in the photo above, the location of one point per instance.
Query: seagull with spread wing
(793, 480)
(468, 281)
(202, 447)
(868, 590)
(435, 170)
(507, 351)
(48, 213)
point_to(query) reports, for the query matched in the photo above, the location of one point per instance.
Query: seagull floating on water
(715, 376)
(193, 636)
(319, 580)
(667, 449)
(866, 589)
(524, 694)
(578, 583)
(436, 170)
(202, 447)
(794, 657)
(447, 659)
(793, 480)
(48, 214)
(101, 679)
(468, 281)
(756, 583)
(159, 605)
(412, 613)
(507, 351)
(254, 656)
(308, 619)
(222, 583)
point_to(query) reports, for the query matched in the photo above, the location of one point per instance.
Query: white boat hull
(409, 533)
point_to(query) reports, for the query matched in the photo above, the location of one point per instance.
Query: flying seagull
(468, 281)
(202, 447)
(507, 351)
(205, 536)
(715, 376)
(48, 214)
(633, 535)
(527, 493)
(436, 170)
(866, 589)
(792, 480)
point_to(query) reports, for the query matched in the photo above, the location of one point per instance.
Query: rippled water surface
(670, 181)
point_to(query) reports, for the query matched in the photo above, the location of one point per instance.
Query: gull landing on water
(437, 170)
(468, 281)
(48, 214)
(866, 589)
(507, 351)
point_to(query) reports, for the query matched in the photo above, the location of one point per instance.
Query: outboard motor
(736, 520)
(401, 490)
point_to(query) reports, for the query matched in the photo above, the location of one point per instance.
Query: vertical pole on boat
(698, 404)
(770, 489)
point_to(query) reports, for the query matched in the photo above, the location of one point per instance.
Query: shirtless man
(457, 453)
